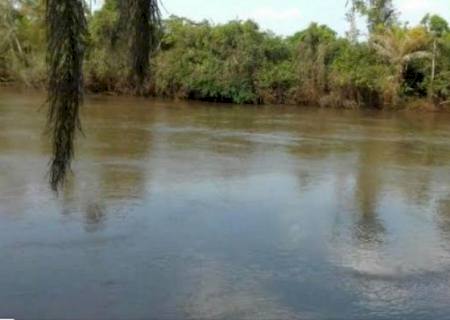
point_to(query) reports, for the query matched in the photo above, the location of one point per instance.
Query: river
(180, 210)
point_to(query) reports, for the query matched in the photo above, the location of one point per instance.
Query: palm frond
(145, 33)
(417, 55)
(66, 32)
(140, 22)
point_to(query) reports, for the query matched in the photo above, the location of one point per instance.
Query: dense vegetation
(238, 62)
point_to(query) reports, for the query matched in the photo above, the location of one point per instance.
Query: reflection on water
(369, 228)
(196, 211)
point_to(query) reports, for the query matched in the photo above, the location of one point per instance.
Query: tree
(21, 44)
(315, 50)
(399, 47)
(9, 43)
(379, 13)
(438, 28)
(9, 28)
(21, 32)
(353, 33)
(213, 63)
(107, 61)
(358, 76)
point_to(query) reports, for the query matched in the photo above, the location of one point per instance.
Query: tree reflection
(114, 160)
(369, 229)
(443, 218)
(95, 217)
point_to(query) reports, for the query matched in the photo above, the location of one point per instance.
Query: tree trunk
(433, 72)
(398, 83)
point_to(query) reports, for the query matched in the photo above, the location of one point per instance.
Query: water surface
(196, 211)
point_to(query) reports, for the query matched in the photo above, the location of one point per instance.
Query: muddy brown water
(196, 211)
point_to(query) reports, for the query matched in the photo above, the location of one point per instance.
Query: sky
(285, 17)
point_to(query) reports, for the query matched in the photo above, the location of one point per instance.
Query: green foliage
(358, 75)
(115, 63)
(237, 62)
(379, 13)
(106, 64)
(22, 48)
(277, 78)
(438, 78)
(442, 81)
(400, 47)
(437, 25)
(316, 47)
(216, 63)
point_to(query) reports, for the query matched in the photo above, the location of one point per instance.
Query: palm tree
(399, 47)
(66, 33)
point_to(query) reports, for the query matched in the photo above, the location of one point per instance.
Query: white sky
(286, 17)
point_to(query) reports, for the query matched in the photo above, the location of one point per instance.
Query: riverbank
(413, 105)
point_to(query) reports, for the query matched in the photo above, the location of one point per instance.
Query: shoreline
(414, 105)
